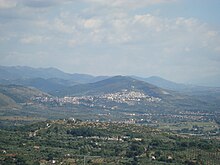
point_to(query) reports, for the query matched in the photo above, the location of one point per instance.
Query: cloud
(92, 23)
(125, 34)
(212, 33)
(118, 27)
(147, 29)
(128, 4)
(72, 43)
(62, 27)
(25, 59)
(39, 3)
(217, 49)
(6, 4)
(34, 39)
(150, 21)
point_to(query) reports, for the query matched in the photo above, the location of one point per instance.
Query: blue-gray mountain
(49, 79)
(116, 96)
(58, 83)
(114, 84)
(26, 73)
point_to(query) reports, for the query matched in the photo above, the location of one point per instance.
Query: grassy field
(21, 118)
(206, 126)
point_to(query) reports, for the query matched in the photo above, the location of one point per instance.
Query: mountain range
(26, 73)
(51, 79)
(52, 94)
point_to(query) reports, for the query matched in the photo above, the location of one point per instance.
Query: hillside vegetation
(75, 142)
(20, 94)
(6, 101)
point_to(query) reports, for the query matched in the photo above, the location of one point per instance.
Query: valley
(71, 141)
(109, 82)
(115, 120)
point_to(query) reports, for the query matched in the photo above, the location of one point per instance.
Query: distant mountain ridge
(118, 94)
(163, 83)
(46, 85)
(179, 87)
(24, 72)
(54, 80)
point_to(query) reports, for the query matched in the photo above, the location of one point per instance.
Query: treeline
(87, 132)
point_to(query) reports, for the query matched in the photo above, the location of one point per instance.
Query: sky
(175, 39)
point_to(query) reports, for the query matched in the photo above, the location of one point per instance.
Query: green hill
(114, 84)
(12, 95)
(6, 101)
(20, 94)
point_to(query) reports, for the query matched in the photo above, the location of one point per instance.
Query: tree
(20, 160)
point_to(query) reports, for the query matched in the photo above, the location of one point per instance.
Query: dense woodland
(77, 142)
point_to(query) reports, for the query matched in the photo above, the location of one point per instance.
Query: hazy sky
(175, 39)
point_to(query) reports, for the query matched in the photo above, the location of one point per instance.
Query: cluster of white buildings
(129, 97)
(124, 96)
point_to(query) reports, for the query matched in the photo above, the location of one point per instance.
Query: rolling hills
(23, 72)
(13, 95)
(50, 79)
(53, 94)
(46, 85)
